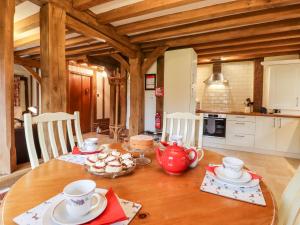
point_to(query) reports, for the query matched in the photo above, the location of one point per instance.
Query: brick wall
(226, 98)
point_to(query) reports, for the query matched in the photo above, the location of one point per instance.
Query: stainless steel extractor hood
(217, 77)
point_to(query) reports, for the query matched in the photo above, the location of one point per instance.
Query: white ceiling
(112, 5)
(24, 10)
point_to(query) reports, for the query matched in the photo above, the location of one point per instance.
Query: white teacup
(79, 195)
(233, 167)
(90, 144)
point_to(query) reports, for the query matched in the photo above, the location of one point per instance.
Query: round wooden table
(165, 199)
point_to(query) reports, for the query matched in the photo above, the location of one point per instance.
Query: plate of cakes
(110, 164)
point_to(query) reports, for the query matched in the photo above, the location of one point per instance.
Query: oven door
(215, 127)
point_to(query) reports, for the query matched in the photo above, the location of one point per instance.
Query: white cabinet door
(265, 133)
(288, 135)
(284, 86)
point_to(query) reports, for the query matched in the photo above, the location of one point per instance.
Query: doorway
(80, 99)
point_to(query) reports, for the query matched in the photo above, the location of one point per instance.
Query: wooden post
(53, 60)
(137, 93)
(112, 107)
(7, 141)
(160, 83)
(258, 84)
(123, 97)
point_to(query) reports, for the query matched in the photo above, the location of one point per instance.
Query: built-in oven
(214, 125)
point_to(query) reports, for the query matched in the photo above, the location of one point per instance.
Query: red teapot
(175, 159)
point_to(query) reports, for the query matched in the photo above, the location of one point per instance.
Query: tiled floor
(276, 171)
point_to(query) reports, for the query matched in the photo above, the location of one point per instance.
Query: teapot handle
(195, 154)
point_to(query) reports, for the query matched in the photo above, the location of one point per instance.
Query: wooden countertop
(250, 114)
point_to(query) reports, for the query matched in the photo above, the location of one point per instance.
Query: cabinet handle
(280, 123)
(274, 122)
(240, 123)
(240, 117)
(297, 101)
(241, 136)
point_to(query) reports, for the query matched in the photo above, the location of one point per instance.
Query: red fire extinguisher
(158, 121)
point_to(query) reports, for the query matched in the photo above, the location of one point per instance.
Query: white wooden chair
(290, 202)
(183, 124)
(49, 119)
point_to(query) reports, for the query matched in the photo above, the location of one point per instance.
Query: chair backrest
(290, 201)
(50, 119)
(186, 124)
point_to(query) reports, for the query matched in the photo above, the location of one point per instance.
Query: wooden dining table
(165, 199)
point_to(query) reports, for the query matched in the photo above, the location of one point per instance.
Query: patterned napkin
(252, 195)
(35, 215)
(77, 159)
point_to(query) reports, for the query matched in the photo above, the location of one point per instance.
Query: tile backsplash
(226, 98)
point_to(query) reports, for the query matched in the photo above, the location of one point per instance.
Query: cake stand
(142, 160)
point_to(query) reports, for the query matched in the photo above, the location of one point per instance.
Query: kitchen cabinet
(284, 82)
(265, 133)
(288, 135)
(279, 134)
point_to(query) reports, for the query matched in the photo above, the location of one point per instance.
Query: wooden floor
(276, 171)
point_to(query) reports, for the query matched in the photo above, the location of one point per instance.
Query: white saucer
(58, 215)
(245, 178)
(250, 184)
(83, 149)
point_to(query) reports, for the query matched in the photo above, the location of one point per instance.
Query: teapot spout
(158, 156)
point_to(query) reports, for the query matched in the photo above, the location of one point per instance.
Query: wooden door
(80, 99)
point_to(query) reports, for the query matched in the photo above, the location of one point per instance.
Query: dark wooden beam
(53, 61)
(234, 21)
(258, 84)
(201, 14)
(140, 8)
(123, 96)
(7, 140)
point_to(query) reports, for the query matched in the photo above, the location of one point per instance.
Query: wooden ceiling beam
(140, 8)
(28, 23)
(108, 31)
(32, 39)
(87, 49)
(201, 14)
(69, 42)
(238, 58)
(82, 28)
(86, 4)
(268, 44)
(249, 40)
(34, 74)
(26, 62)
(223, 35)
(241, 20)
(159, 51)
(262, 51)
(121, 60)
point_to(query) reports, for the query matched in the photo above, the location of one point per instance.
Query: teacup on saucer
(233, 167)
(90, 144)
(79, 197)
